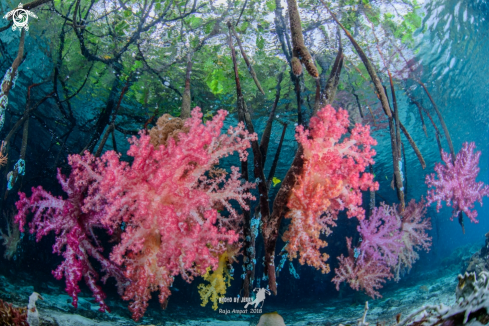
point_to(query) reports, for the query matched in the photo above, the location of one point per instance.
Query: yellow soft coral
(219, 280)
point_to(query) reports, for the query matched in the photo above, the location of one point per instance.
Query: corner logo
(20, 17)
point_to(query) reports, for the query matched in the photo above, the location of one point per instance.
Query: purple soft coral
(381, 236)
(456, 183)
(75, 239)
(389, 241)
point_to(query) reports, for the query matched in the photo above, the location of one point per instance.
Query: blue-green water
(451, 46)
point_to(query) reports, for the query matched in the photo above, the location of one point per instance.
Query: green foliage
(241, 28)
(405, 30)
(260, 42)
(349, 19)
(215, 81)
(209, 27)
(270, 5)
(194, 21)
(137, 64)
(165, 46)
(373, 16)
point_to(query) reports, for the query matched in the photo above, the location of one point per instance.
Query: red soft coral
(456, 183)
(332, 179)
(168, 204)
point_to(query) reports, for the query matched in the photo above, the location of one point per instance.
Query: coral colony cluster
(164, 204)
(173, 212)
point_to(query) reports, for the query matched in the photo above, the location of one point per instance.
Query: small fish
(174, 289)
(276, 181)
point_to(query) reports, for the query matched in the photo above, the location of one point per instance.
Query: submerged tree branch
(271, 226)
(245, 117)
(413, 145)
(396, 148)
(370, 68)
(442, 121)
(187, 98)
(276, 158)
(328, 94)
(300, 53)
(248, 63)
(265, 139)
(420, 110)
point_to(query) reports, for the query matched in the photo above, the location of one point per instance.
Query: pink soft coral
(456, 183)
(74, 229)
(168, 204)
(332, 180)
(367, 276)
(414, 236)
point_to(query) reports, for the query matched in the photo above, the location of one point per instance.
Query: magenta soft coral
(169, 205)
(74, 229)
(332, 180)
(456, 183)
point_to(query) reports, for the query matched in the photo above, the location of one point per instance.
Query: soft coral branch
(389, 243)
(456, 183)
(367, 275)
(75, 238)
(381, 236)
(332, 180)
(414, 236)
(168, 202)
